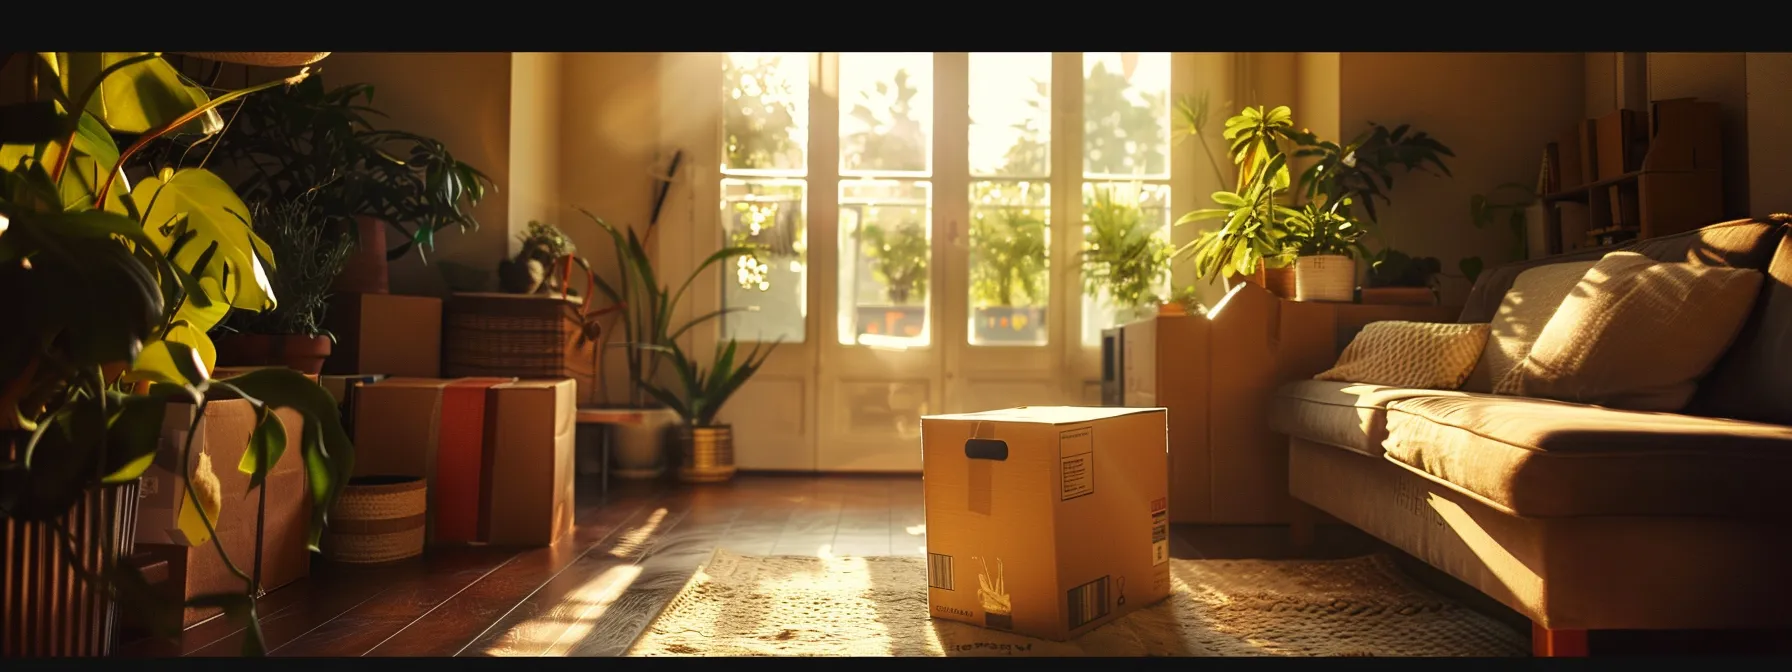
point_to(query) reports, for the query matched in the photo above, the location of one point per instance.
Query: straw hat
(266, 59)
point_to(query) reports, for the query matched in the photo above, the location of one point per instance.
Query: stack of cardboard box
(496, 453)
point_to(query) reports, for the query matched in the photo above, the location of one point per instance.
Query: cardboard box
(431, 429)
(530, 427)
(224, 437)
(388, 334)
(343, 389)
(1046, 521)
(1217, 374)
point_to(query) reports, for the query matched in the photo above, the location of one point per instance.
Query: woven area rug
(845, 606)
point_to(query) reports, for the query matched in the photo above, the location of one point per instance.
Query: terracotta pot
(1280, 281)
(304, 353)
(1171, 308)
(367, 269)
(1400, 296)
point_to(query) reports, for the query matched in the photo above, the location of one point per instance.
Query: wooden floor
(595, 592)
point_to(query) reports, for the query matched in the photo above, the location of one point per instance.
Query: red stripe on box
(460, 460)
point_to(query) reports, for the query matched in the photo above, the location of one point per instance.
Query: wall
(609, 133)
(1496, 111)
(463, 100)
(1769, 97)
(536, 106)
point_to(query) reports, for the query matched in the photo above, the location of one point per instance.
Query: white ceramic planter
(639, 449)
(1326, 277)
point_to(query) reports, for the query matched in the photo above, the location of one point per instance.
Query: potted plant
(546, 250)
(1125, 260)
(646, 325)
(308, 139)
(305, 262)
(111, 286)
(1325, 241)
(898, 256)
(1008, 279)
(1398, 278)
(705, 449)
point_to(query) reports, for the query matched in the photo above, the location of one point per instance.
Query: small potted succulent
(306, 260)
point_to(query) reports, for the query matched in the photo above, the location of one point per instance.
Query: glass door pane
(885, 227)
(1010, 157)
(765, 133)
(1126, 192)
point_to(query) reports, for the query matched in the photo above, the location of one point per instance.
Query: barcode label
(1087, 602)
(939, 571)
(1160, 537)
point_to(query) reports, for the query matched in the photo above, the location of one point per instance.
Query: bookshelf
(1630, 175)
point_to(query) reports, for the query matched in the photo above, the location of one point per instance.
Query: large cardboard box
(1046, 521)
(432, 429)
(387, 334)
(531, 426)
(195, 568)
(1217, 374)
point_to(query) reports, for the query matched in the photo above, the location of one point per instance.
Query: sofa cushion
(1352, 416)
(1754, 379)
(1524, 310)
(1623, 313)
(1397, 353)
(1548, 459)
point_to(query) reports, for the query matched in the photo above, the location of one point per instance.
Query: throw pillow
(1420, 355)
(1638, 334)
(1524, 310)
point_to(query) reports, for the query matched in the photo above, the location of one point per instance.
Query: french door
(920, 220)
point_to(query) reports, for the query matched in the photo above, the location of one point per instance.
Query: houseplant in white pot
(1325, 240)
(703, 448)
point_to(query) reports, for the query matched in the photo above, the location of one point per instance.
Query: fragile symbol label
(1076, 457)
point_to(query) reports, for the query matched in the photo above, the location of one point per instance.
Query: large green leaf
(138, 97)
(266, 444)
(196, 201)
(184, 355)
(132, 437)
(95, 155)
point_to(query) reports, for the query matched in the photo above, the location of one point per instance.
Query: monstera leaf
(137, 97)
(201, 225)
(95, 156)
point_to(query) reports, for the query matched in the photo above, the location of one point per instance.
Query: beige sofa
(1581, 517)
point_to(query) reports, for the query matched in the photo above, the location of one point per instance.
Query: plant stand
(50, 610)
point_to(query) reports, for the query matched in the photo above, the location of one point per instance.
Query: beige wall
(536, 107)
(463, 100)
(1769, 99)
(1496, 111)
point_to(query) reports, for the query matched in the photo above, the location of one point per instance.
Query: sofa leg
(1547, 643)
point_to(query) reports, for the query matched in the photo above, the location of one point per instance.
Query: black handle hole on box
(986, 449)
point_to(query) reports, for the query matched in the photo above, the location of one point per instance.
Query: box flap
(1045, 415)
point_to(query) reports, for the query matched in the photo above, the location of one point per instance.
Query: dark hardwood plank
(454, 623)
(664, 573)
(362, 627)
(544, 617)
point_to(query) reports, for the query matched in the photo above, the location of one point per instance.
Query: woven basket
(377, 519)
(1326, 277)
(266, 59)
(521, 336)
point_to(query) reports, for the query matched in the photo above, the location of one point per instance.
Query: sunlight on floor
(588, 602)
